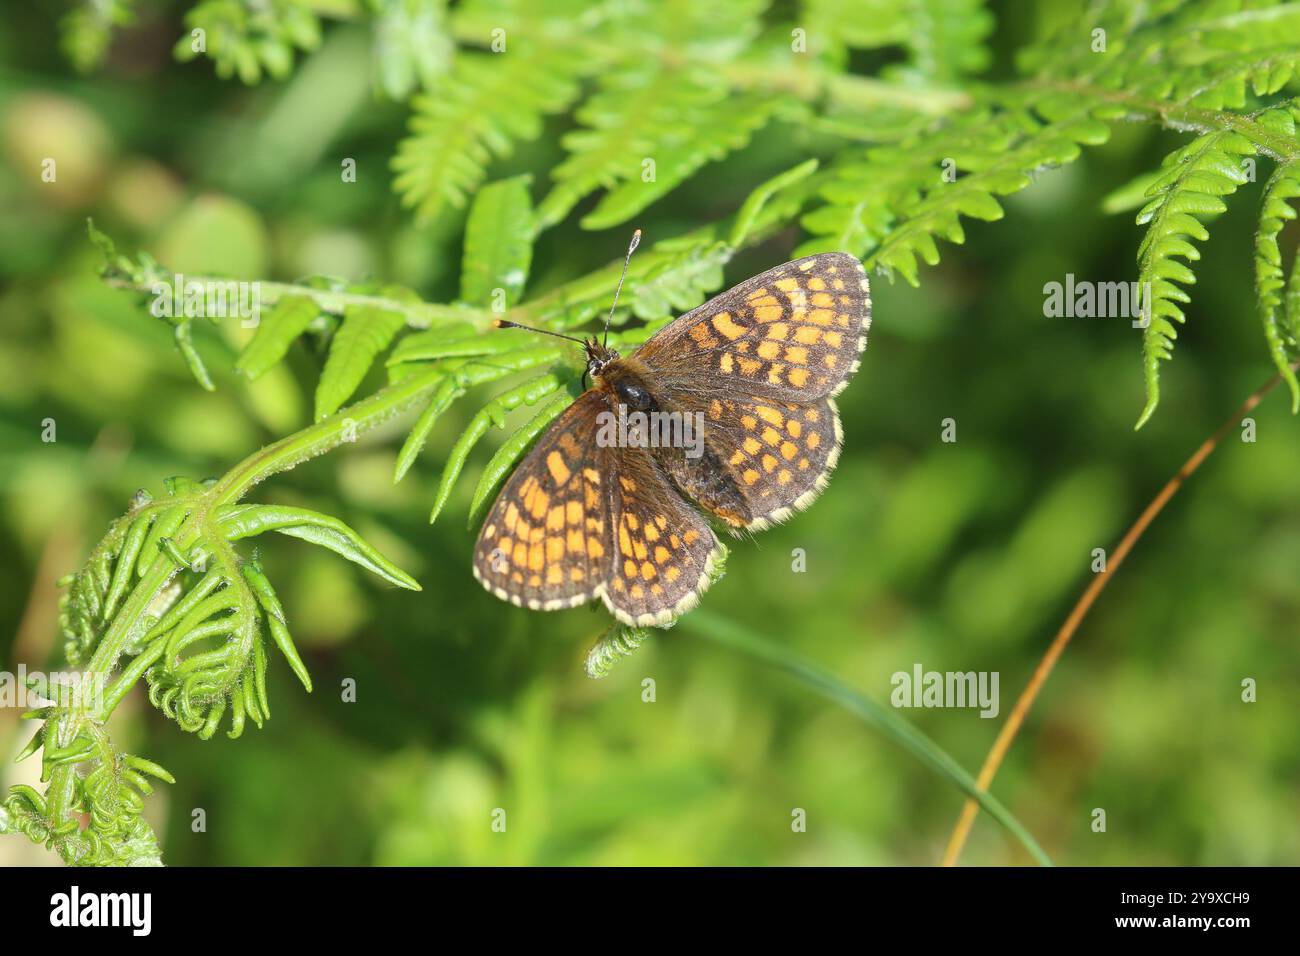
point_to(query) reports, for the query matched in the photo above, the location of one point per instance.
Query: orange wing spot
(575, 539)
(805, 266)
(632, 520)
(774, 373)
(770, 415)
(590, 497)
(803, 464)
(536, 534)
(662, 554)
(558, 469)
(749, 422)
(672, 573)
(844, 320)
(700, 333)
(541, 504)
(715, 410)
(629, 568)
(831, 359)
(618, 585)
(771, 436)
(823, 300)
(555, 518)
(813, 440)
(592, 475)
(490, 531)
(624, 540)
(534, 580)
(648, 571)
(637, 591)
(820, 316)
(651, 532)
(768, 350)
(726, 363)
(736, 458)
(512, 516)
(661, 522)
(838, 285)
(536, 557)
(629, 484)
(794, 428)
(554, 549)
(762, 297)
(796, 354)
(784, 477)
(555, 574)
(640, 549)
(675, 541)
(816, 283)
(656, 589)
(807, 335)
(788, 450)
(576, 575)
(811, 414)
(768, 313)
(749, 366)
(595, 550)
(835, 339)
(798, 377)
(750, 476)
(520, 555)
(573, 512)
(787, 285)
(769, 463)
(691, 536)
(751, 446)
(777, 331)
(726, 325)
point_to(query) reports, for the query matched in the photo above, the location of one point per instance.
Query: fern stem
(1007, 735)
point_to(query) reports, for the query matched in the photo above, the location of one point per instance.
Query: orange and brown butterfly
(759, 366)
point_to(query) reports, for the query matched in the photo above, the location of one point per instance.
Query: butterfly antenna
(636, 241)
(504, 324)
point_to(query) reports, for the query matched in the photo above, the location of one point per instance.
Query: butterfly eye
(634, 396)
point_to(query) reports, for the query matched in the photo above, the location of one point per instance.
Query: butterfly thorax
(627, 380)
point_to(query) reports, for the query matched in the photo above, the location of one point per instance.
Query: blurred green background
(962, 556)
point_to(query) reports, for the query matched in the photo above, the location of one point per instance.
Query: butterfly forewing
(792, 334)
(546, 542)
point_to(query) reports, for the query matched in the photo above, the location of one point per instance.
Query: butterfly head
(598, 357)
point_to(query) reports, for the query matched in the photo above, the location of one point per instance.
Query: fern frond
(87, 30)
(498, 245)
(475, 112)
(1195, 179)
(366, 331)
(412, 45)
(1280, 330)
(491, 414)
(246, 37)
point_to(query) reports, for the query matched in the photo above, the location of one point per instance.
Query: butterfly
(756, 369)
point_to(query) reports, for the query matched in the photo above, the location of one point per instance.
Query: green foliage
(246, 37)
(498, 244)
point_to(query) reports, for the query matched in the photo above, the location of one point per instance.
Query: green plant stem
(727, 634)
